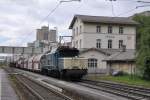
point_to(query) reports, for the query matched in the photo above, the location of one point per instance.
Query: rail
(130, 92)
(40, 91)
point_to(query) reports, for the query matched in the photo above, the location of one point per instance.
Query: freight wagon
(62, 62)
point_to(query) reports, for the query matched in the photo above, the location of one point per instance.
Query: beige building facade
(103, 34)
(99, 37)
(121, 61)
(126, 67)
(95, 57)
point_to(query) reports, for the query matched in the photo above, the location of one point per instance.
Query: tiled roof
(113, 54)
(103, 19)
(128, 55)
(104, 51)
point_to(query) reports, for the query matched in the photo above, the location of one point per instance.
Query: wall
(127, 67)
(52, 35)
(89, 40)
(89, 35)
(97, 55)
(91, 27)
(77, 36)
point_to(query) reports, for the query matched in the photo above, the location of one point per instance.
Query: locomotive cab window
(68, 53)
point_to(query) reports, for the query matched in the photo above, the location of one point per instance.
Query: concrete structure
(45, 39)
(84, 93)
(103, 32)
(99, 37)
(52, 35)
(20, 50)
(95, 58)
(45, 34)
(30, 44)
(6, 90)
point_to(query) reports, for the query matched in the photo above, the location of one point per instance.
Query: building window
(76, 44)
(45, 35)
(109, 29)
(120, 29)
(109, 43)
(120, 43)
(77, 30)
(80, 29)
(73, 33)
(80, 43)
(98, 43)
(92, 63)
(98, 29)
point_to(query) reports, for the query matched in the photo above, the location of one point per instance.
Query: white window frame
(98, 29)
(110, 44)
(80, 29)
(120, 43)
(92, 63)
(110, 29)
(121, 30)
(74, 32)
(80, 43)
(98, 43)
(77, 30)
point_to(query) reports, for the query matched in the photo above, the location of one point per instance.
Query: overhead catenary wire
(133, 10)
(128, 11)
(143, 1)
(53, 10)
(143, 6)
(112, 7)
(28, 34)
(50, 13)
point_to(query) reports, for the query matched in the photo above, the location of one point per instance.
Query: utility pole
(112, 7)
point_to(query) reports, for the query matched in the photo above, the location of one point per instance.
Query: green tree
(146, 74)
(143, 43)
(144, 23)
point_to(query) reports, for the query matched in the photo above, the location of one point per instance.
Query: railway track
(41, 92)
(130, 92)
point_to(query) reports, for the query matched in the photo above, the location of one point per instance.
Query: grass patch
(126, 79)
(2, 65)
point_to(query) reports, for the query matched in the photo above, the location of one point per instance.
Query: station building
(99, 38)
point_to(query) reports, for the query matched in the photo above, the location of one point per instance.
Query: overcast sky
(20, 18)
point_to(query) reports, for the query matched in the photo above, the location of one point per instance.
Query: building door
(92, 65)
